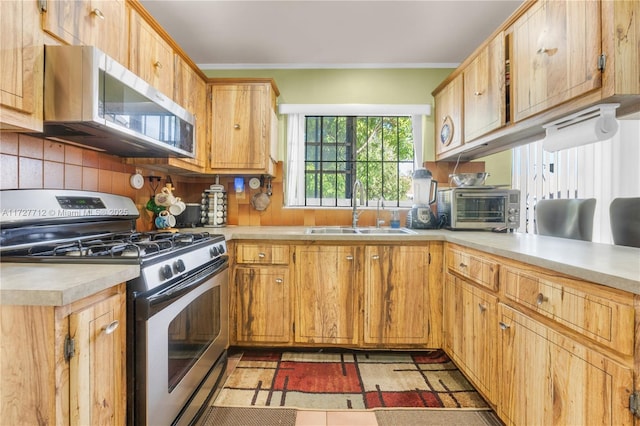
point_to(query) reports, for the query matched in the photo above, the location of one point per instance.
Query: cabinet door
(453, 318)
(547, 378)
(239, 126)
(21, 73)
(327, 295)
(190, 92)
(97, 23)
(263, 305)
(479, 351)
(484, 91)
(97, 370)
(448, 122)
(150, 56)
(556, 45)
(396, 295)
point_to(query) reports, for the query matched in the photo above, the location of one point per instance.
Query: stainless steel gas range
(177, 309)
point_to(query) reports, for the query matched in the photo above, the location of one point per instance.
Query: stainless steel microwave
(92, 100)
(479, 208)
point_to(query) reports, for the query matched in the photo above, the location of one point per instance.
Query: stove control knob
(221, 249)
(179, 266)
(166, 272)
(214, 251)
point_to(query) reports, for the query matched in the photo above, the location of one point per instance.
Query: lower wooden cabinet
(65, 365)
(327, 294)
(470, 318)
(263, 305)
(400, 300)
(548, 378)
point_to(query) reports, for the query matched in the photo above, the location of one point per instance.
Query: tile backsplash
(31, 162)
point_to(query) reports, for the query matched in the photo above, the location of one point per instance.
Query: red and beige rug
(348, 380)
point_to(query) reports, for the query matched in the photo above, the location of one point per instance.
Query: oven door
(478, 210)
(182, 339)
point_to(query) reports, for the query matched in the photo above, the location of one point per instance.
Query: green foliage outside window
(376, 150)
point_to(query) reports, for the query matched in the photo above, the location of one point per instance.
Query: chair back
(624, 216)
(566, 218)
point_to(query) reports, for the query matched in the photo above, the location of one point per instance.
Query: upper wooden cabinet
(484, 90)
(556, 46)
(563, 56)
(243, 126)
(21, 73)
(98, 23)
(150, 55)
(449, 116)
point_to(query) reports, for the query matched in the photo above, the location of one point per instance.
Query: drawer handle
(541, 299)
(236, 126)
(375, 257)
(158, 64)
(279, 280)
(482, 307)
(111, 327)
(543, 50)
(261, 255)
(349, 257)
(462, 265)
(477, 93)
(97, 13)
(504, 326)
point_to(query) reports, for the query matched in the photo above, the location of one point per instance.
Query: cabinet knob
(477, 93)
(111, 327)
(504, 326)
(462, 265)
(261, 255)
(349, 257)
(543, 50)
(482, 307)
(97, 13)
(375, 257)
(236, 126)
(279, 280)
(541, 299)
(157, 64)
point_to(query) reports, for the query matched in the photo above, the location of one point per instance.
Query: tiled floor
(335, 418)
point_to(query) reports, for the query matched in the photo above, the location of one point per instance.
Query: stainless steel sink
(331, 230)
(358, 231)
(385, 231)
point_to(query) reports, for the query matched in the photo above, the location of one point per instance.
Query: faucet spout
(378, 220)
(357, 187)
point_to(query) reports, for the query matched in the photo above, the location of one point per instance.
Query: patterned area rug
(348, 380)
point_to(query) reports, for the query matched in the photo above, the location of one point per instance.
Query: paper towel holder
(597, 123)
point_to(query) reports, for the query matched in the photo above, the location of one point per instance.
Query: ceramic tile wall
(31, 162)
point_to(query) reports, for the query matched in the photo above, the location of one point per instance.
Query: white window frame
(294, 191)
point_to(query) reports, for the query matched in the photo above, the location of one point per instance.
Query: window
(374, 149)
(603, 170)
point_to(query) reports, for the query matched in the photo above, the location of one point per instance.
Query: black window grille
(376, 150)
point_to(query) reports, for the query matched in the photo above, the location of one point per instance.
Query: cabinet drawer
(262, 254)
(478, 269)
(605, 318)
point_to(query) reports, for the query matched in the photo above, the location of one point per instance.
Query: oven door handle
(148, 306)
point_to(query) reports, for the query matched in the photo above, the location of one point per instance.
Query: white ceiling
(239, 34)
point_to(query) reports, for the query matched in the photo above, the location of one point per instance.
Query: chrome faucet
(357, 186)
(378, 221)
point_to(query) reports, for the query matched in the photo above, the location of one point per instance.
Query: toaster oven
(482, 207)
